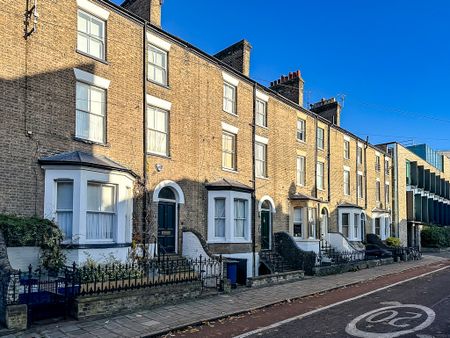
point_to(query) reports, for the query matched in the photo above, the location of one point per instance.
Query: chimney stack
(329, 109)
(149, 10)
(237, 56)
(290, 86)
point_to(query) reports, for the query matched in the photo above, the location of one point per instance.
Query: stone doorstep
(225, 314)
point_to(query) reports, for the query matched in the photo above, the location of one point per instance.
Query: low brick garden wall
(352, 266)
(132, 300)
(266, 280)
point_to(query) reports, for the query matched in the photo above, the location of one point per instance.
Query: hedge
(435, 237)
(35, 231)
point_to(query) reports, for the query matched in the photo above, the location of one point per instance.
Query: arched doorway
(266, 210)
(324, 223)
(266, 226)
(167, 221)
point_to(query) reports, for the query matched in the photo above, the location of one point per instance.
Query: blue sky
(391, 59)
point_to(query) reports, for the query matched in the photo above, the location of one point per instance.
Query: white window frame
(263, 160)
(348, 226)
(377, 163)
(261, 116)
(298, 221)
(229, 196)
(346, 149)
(359, 155)
(69, 234)
(149, 130)
(378, 190)
(232, 100)
(89, 36)
(360, 185)
(387, 197)
(233, 151)
(312, 223)
(90, 87)
(320, 138)
(224, 218)
(164, 69)
(111, 213)
(320, 177)
(301, 171)
(301, 129)
(347, 187)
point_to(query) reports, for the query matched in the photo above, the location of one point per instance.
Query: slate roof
(349, 205)
(303, 197)
(227, 184)
(85, 159)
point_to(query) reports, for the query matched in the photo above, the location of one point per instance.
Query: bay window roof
(85, 159)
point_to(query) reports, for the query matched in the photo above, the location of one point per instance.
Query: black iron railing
(164, 270)
(332, 257)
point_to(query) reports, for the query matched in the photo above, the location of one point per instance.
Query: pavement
(160, 320)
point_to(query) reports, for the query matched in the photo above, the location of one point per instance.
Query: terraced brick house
(120, 131)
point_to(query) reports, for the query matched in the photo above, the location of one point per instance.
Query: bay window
(229, 216)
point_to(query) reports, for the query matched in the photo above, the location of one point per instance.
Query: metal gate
(46, 294)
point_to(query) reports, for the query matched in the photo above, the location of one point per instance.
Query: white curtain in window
(64, 208)
(312, 222)
(240, 217)
(90, 122)
(260, 159)
(157, 132)
(100, 211)
(356, 225)
(261, 113)
(219, 217)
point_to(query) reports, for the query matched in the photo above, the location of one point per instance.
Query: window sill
(159, 84)
(230, 170)
(149, 153)
(232, 114)
(301, 141)
(79, 139)
(262, 178)
(92, 57)
(262, 127)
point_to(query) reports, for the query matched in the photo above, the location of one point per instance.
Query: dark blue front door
(166, 227)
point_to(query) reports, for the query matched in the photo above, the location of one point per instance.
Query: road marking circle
(388, 316)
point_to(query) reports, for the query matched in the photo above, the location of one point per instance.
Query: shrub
(35, 231)
(435, 237)
(393, 241)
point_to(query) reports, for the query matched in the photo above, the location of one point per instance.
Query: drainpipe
(365, 172)
(395, 187)
(356, 172)
(315, 163)
(254, 180)
(144, 109)
(329, 165)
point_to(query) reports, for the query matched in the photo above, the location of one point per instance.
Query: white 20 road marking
(391, 319)
(277, 324)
